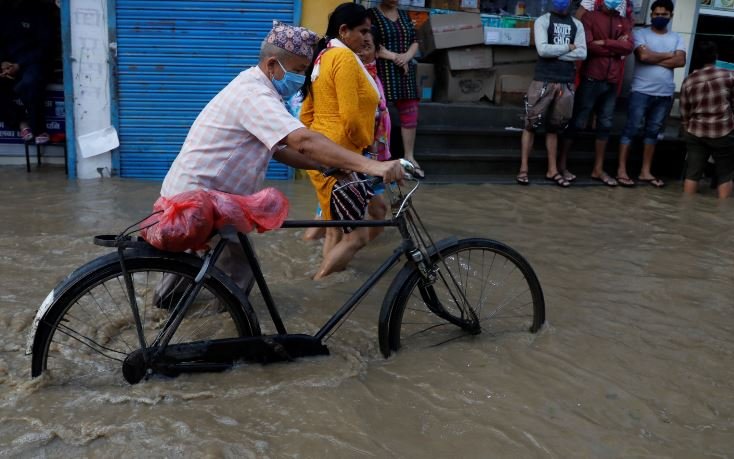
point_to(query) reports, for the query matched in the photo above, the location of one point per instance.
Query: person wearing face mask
(340, 101)
(230, 144)
(609, 41)
(560, 42)
(657, 52)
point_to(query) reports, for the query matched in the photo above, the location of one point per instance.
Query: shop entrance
(716, 23)
(31, 97)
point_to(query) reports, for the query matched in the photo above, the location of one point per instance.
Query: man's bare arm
(295, 159)
(323, 151)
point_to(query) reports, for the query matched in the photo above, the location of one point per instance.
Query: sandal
(522, 178)
(560, 180)
(606, 179)
(568, 175)
(656, 182)
(26, 134)
(625, 181)
(42, 139)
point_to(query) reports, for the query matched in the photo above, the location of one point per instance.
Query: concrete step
(469, 141)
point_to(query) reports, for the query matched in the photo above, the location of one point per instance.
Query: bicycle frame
(215, 355)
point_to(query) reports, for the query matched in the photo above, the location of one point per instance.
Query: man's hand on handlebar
(390, 171)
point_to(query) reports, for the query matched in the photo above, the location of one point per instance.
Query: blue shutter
(173, 57)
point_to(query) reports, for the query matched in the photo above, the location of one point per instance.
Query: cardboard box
(443, 31)
(425, 78)
(511, 89)
(445, 4)
(502, 36)
(465, 85)
(469, 58)
(513, 55)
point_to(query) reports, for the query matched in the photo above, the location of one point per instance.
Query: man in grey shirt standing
(560, 41)
(658, 52)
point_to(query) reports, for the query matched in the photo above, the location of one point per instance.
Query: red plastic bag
(264, 210)
(228, 211)
(186, 222)
(267, 209)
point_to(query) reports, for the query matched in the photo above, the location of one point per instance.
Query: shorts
(549, 105)
(647, 114)
(700, 148)
(349, 198)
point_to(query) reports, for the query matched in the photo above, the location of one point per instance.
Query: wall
(91, 79)
(685, 19)
(316, 14)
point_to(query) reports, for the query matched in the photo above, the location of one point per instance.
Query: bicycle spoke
(476, 292)
(86, 340)
(93, 331)
(105, 313)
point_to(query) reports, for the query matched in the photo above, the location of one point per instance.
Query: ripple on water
(638, 286)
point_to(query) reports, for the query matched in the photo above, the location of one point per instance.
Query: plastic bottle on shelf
(520, 8)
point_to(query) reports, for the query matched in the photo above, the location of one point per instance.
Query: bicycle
(104, 317)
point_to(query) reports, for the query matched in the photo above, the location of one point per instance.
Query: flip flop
(625, 182)
(560, 181)
(568, 175)
(42, 138)
(606, 179)
(26, 134)
(522, 178)
(656, 182)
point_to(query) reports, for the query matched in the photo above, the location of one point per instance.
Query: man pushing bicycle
(230, 144)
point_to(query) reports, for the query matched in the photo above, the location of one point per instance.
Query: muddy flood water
(636, 358)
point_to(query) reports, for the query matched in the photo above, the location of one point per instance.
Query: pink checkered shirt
(232, 140)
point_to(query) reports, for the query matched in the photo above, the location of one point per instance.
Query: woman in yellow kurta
(340, 103)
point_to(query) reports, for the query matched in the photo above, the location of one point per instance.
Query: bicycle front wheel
(89, 330)
(481, 286)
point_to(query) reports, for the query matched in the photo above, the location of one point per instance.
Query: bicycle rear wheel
(482, 286)
(89, 328)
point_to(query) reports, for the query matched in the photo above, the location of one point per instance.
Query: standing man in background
(707, 113)
(657, 51)
(609, 41)
(560, 41)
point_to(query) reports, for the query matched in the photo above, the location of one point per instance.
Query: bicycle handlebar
(408, 168)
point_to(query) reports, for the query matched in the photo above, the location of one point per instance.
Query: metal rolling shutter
(173, 57)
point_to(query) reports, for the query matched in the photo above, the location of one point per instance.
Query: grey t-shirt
(651, 79)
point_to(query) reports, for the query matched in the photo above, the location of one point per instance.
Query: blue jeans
(594, 96)
(652, 111)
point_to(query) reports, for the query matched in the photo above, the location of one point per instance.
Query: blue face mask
(290, 84)
(560, 6)
(612, 4)
(660, 23)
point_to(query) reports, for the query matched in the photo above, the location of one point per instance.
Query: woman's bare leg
(342, 253)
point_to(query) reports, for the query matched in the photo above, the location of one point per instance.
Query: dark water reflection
(636, 360)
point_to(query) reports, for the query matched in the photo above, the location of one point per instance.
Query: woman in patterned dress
(394, 29)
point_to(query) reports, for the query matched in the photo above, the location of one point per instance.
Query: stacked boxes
(466, 69)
